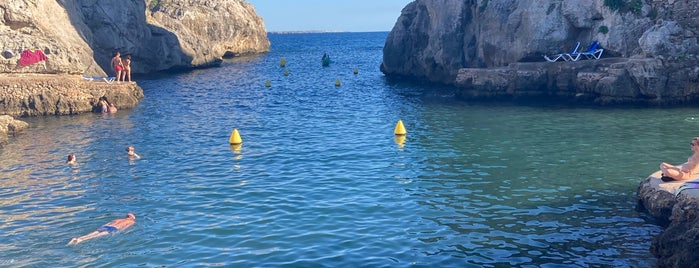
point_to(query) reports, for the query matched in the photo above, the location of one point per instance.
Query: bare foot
(74, 241)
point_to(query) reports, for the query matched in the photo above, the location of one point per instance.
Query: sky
(328, 15)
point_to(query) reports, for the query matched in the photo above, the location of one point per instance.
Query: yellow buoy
(282, 62)
(356, 71)
(337, 82)
(286, 72)
(235, 137)
(400, 129)
(268, 83)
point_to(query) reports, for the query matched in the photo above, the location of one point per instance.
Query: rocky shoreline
(603, 82)
(24, 95)
(676, 245)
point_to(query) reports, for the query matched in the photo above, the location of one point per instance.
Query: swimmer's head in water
(131, 216)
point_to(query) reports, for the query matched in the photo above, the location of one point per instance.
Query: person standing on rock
(117, 65)
(126, 73)
(685, 171)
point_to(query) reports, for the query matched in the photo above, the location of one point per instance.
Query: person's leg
(671, 171)
(87, 237)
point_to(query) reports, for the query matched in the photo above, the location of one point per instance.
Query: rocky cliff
(495, 48)
(33, 95)
(80, 37)
(679, 211)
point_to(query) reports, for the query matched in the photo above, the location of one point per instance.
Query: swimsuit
(118, 68)
(108, 229)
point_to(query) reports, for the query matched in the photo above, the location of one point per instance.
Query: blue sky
(325, 15)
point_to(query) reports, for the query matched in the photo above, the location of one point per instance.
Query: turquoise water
(320, 180)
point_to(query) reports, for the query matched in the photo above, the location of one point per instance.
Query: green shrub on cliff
(603, 29)
(153, 5)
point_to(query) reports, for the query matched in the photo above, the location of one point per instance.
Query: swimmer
(109, 228)
(112, 108)
(71, 160)
(130, 151)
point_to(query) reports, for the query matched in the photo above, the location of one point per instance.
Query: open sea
(320, 179)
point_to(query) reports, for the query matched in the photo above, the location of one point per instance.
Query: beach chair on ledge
(592, 52)
(565, 56)
(108, 79)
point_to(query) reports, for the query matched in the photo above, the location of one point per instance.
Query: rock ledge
(676, 245)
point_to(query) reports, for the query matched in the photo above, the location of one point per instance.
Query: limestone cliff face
(82, 36)
(440, 40)
(44, 25)
(179, 34)
(218, 28)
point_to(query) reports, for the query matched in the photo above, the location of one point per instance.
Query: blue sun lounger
(565, 56)
(592, 52)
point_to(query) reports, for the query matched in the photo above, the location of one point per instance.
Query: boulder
(678, 211)
(10, 126)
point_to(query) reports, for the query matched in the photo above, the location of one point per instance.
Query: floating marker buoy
(400, 129)
(282, 62)
(337, 82)
(268, 83)
(355, 71)
(235, 137)
(286, 72)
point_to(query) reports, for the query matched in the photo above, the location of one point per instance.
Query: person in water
(109, 228)
(104, 104)
(112, 108)
(685, 171)
(131, 152)
(71, 160)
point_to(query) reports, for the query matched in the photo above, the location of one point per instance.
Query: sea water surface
(321, 181)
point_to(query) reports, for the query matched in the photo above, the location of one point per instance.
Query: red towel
(28, 57)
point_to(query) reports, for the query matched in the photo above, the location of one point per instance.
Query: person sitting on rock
(682, 172)
(109, 228)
